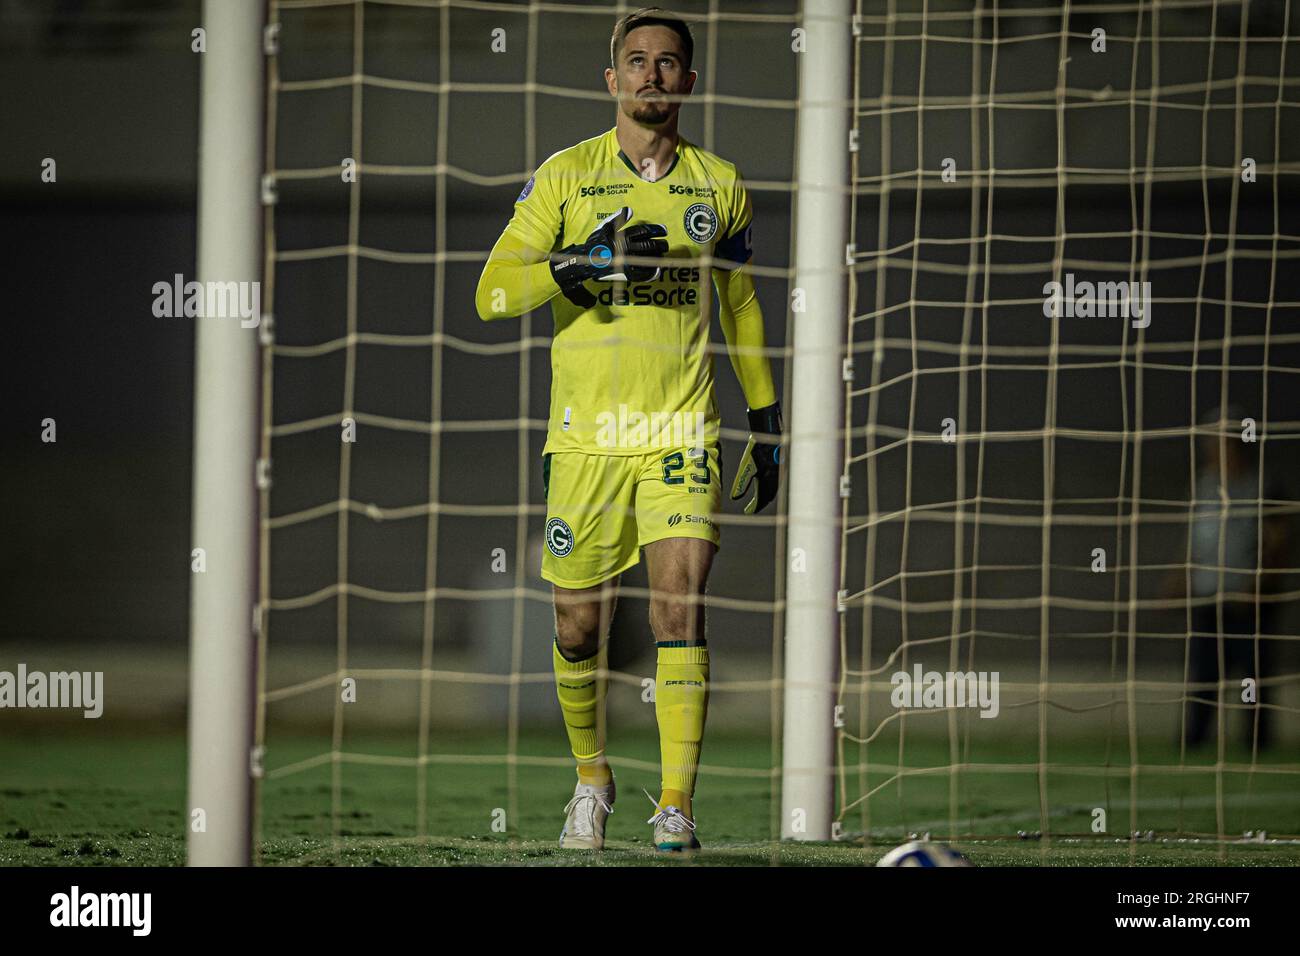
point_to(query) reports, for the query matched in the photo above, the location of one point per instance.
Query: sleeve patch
(528, 188)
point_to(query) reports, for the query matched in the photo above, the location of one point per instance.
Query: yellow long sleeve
(742, 325)
(515, 279)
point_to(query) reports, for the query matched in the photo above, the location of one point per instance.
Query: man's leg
(1203, 668)
(582, 619)
(1246, 656)
(1263, 652)
(678, 569)
(590, 540)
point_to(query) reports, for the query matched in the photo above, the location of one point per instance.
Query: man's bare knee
(581, 620)
(577, 632)
(677, 617)
(679, 570)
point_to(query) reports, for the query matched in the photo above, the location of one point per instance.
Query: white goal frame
(223, 597)
(816, 422)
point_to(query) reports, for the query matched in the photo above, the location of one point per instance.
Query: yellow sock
(681, 704)
(678, 799)
(580, 700)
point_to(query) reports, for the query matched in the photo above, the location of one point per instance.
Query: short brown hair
(649, 17)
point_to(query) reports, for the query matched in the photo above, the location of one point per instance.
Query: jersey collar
(677, 154)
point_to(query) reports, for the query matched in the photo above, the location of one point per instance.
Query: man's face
(651, 66)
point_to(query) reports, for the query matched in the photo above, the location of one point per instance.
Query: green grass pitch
(106, 796)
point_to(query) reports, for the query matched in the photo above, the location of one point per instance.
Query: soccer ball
(923, 853)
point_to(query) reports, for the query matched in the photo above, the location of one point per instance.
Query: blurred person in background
(1234, 543)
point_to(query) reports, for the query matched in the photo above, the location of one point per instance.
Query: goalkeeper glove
(601, 256)
(761, 460)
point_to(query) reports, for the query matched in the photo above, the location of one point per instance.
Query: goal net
(406, 686)
(1068, 560)
(1067, 549)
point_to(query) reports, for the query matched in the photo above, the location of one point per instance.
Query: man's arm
(742, 325)
(516, 278)
(1275, 545)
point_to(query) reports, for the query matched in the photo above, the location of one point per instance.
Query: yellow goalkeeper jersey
(634, 373)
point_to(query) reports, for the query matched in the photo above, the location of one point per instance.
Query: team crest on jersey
(528, 188)
(559, 537)
(701, 222)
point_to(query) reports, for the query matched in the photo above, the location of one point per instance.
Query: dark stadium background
(96, 553)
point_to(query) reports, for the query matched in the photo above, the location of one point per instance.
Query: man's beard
(650, 113)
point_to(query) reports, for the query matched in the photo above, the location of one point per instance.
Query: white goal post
(223, 596)
(816, 418)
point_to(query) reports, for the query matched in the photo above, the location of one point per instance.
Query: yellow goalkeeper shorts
(602, 509)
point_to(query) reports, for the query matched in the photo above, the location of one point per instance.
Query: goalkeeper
(612, 232)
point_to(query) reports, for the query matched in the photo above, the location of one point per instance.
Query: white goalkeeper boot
(674, 831)
(585, 815)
